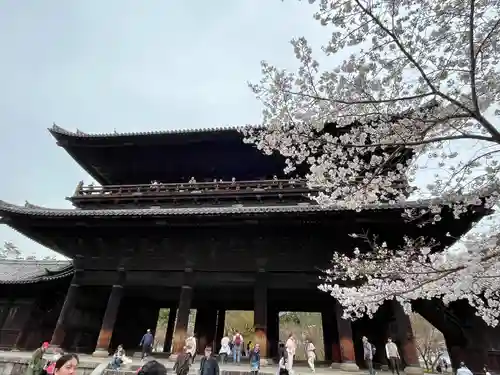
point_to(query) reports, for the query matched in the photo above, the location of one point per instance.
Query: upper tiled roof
(21, 271)
(55, 129)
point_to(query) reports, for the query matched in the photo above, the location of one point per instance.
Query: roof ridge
(44, 262)
(55, 129)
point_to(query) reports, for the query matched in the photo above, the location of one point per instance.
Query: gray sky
(130, 65)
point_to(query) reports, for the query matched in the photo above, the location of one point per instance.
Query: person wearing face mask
(67, 364)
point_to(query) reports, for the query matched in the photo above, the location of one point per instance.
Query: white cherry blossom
(410, 88)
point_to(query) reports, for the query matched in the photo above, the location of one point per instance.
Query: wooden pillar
(219, 331)
(181, 326)
(406, 340)
(273, 332)
(24, 321)
(260, 312)
(67, 308)
(211, 326)
(172, 314)
(347, 353)
(109, 320)
(5, 306)
(204, 327)
(327, 320)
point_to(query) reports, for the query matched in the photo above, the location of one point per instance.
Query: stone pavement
(89, 363)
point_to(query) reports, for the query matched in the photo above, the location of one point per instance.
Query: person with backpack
(237, 346)
(182, 363)
(368, 353)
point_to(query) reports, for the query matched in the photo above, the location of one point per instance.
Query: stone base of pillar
(100, 353)
(335, 365)
(414, 370)
(14, 350)
(349, 367)
(384, 367)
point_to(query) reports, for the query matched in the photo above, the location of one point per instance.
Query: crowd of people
(67, 363)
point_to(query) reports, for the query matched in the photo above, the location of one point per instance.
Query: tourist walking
(182, 363)
(368, 353)
(146, 344)
(310, 354)
(67, 364)
(237, 347)
(191, 345)
(209, 365)
(291, 348)
(225, 349)
(35, 366)
(392, 353)
(254, 356)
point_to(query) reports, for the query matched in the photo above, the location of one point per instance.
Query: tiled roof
(55, 130)
(33, 210)
(192, 211)
(22, 271)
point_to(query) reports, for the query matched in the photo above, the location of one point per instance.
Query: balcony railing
(155, 194)
(191, 188)
(164, 193)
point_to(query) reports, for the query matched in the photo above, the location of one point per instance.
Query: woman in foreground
(66, 365)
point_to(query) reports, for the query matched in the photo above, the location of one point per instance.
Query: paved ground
(227, 368)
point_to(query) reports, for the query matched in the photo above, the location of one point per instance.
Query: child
(255, 359)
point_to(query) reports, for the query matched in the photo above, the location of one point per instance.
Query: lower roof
(24, 271)
(234, 210)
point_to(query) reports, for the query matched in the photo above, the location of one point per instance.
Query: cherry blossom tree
(409, 93)
(429, 341)
(10, 251)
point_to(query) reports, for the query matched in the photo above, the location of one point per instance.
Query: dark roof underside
(45, 225)
(21, 271)
(139, 158)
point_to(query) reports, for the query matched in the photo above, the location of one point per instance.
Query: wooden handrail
(221, 188)
(191, 187)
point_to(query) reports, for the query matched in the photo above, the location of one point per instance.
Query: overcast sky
(128, 65)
